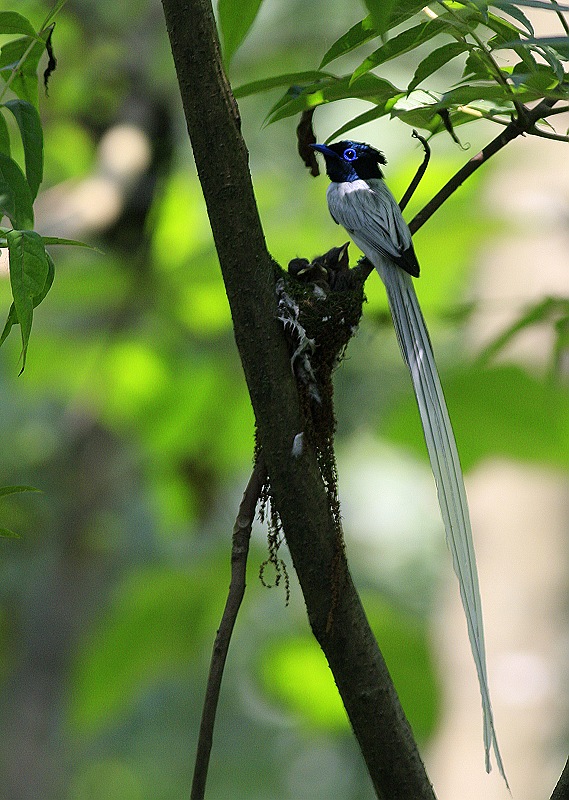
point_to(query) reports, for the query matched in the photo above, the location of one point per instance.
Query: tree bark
(561, 791)
(221, 158)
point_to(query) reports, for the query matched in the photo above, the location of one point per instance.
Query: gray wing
(371, 215)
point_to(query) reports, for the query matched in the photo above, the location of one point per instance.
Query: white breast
(345, 199)
(368, 209)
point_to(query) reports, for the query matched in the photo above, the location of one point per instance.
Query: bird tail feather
(417, 351)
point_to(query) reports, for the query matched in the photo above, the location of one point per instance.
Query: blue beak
(322, 148)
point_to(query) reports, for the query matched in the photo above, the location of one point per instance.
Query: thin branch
(239, 553)
(478, 114)
(516, 128)
(556, 137)
(552, 111)
(561, 791)
(420, 172)
(560, 16)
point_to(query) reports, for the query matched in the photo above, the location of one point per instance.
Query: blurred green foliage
(179, 608)
(294, 671)
(527, 420)
(133, 419)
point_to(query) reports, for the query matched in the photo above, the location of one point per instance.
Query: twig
(239, 553)
(419, 174)
(516, 128)
(556, 137)
(561, 791)
(552, 111)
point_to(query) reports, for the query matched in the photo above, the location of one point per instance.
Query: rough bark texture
(222, 161)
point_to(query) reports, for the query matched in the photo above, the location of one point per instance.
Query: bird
(360, 200)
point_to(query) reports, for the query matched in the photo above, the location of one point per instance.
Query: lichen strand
(330, 320)
(275, 537)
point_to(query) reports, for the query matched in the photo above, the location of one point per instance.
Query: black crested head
(350, 161)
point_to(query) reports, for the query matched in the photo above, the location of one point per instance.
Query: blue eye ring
(350, 154)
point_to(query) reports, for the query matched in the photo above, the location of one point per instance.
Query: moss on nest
(320, 306)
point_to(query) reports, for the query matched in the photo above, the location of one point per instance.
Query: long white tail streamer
(417, 351)
(371, 215)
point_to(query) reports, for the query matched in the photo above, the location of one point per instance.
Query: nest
(320, 306)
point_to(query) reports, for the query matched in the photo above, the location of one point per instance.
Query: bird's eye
(350, 154)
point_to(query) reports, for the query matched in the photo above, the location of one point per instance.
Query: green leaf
(359, 34)
(25, 81)
(57, 240)
(404, 10)
(4, 137)
(235, 20)
(554, 62)
(387, 14)
(543, 4)
(15, 196)
(548, 311)
(368, 116)
(31, 132)
(476, 67)
(5, 490)
(294, 95)
(429, 118)
(381, 12)
(506, 30)
(515, 12)
(403, 43)
(38, 298)
(29, 273)
(560, 44)
(12, 318)
(6, 533)
(12, 22)
(482, 7)
(287, 79)
(543, 80)
(520, 73)
(462, 95)
(426, 117)
(368, 87)
(437, 59)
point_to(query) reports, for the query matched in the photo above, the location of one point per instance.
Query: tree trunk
(221, 157)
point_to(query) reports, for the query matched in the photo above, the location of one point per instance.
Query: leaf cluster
(31, 266)
(504, 65)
